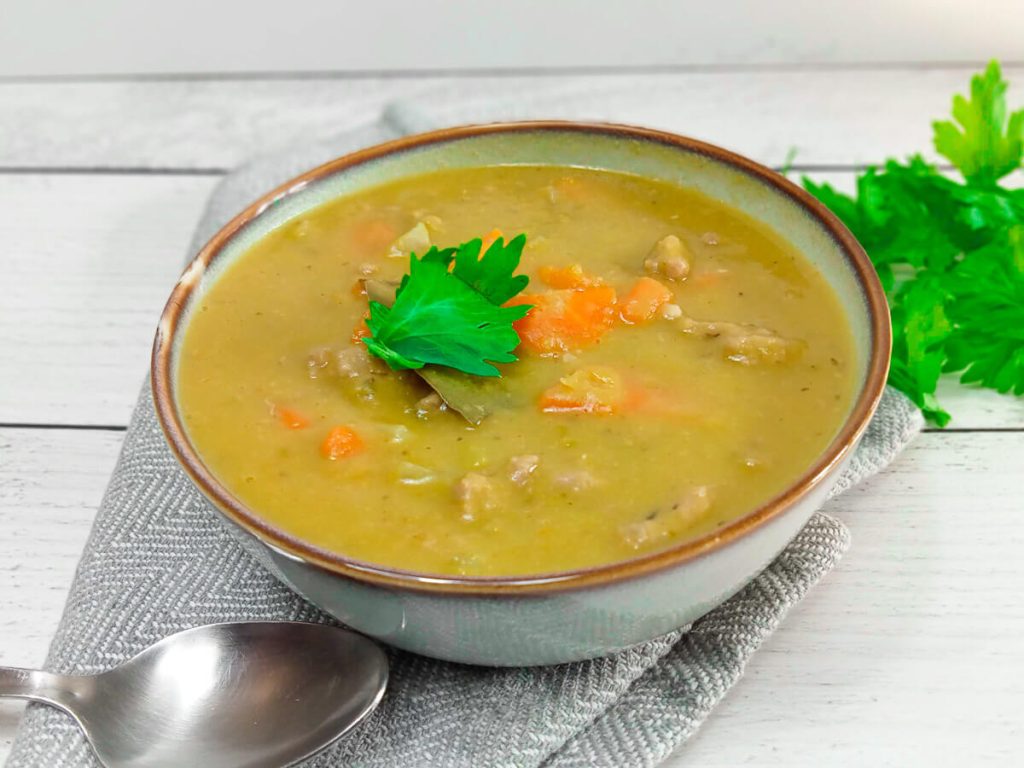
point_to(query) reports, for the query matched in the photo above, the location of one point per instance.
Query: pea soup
(679, 365)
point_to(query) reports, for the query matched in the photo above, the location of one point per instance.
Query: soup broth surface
(715, 407)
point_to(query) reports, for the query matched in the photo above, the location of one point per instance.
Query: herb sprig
(448, 310)
(950, 253)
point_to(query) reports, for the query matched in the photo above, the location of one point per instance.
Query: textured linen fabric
(159, 561)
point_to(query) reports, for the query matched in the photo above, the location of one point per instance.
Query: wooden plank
(830, 117)
(87, 285)
(128, 38)
(51, 482)
(921, 619)
(909, 654)
(88, 264)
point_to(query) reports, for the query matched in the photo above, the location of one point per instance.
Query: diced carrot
(374, 234)
(291, 418)
(637, 397)
(489, 238)
(565, 319)
(661, 403)
(707, 279)
(362, 330)
(643, 301)
(341, 441)
(645, 399)
(359, 288)
(588, 390)
(556, 400)
(570, 188)
(572, 276)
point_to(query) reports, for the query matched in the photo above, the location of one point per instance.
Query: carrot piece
(707, 279)
(654, 401)
(340, 443)
(555, 400)
(644, 299)
(588, 390)
(565, 319)
(489, 238)
(374, 234)
(570, 188)
(362, 330)
(290, 417)
(572, 276)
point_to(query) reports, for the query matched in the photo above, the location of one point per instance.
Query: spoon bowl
(240, 695)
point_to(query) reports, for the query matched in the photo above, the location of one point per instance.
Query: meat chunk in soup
(669, 258)
(745, 344)
(661, 523)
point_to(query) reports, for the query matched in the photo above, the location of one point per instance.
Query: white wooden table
(909, 654)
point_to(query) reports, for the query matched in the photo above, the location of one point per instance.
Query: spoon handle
(36, 685)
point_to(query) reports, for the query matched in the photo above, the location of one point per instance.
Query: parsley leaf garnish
(988, 312)
(987, 145)
(920, 328)
(452, 317)
(950, 254)
(492, 275)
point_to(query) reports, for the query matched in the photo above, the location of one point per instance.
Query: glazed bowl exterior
(572, 615)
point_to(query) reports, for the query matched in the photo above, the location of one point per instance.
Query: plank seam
(469, 72)
(73, 427)
(113, 170)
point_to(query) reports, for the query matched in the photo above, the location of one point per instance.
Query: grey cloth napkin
(159, 561)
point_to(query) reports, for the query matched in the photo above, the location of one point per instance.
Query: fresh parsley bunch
(950, 253)
(448, 310)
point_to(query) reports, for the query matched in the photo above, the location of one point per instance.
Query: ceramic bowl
(556, 617)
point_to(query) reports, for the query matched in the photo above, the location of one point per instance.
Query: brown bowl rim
(538, 584)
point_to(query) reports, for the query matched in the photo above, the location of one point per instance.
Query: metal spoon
(245, 695)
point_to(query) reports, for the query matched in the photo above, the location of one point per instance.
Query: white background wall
(87, 37)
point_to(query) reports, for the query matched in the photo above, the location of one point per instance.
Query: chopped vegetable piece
(429, 405)
(416, 240)
(521, 467)
(644, 300)
(661, 524)
(656, 401)
(570, 188)
(744, 344)
(671, 311)
(488, 240)
(566, 319)
(476, 494)
(571, 276)
(373, 234)
(589, 390)
(341, 442)
(291, 418)
(437, 317)
(669, 258)
(760, 346)
(708, 279)
(474, 397)
(362, 330)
